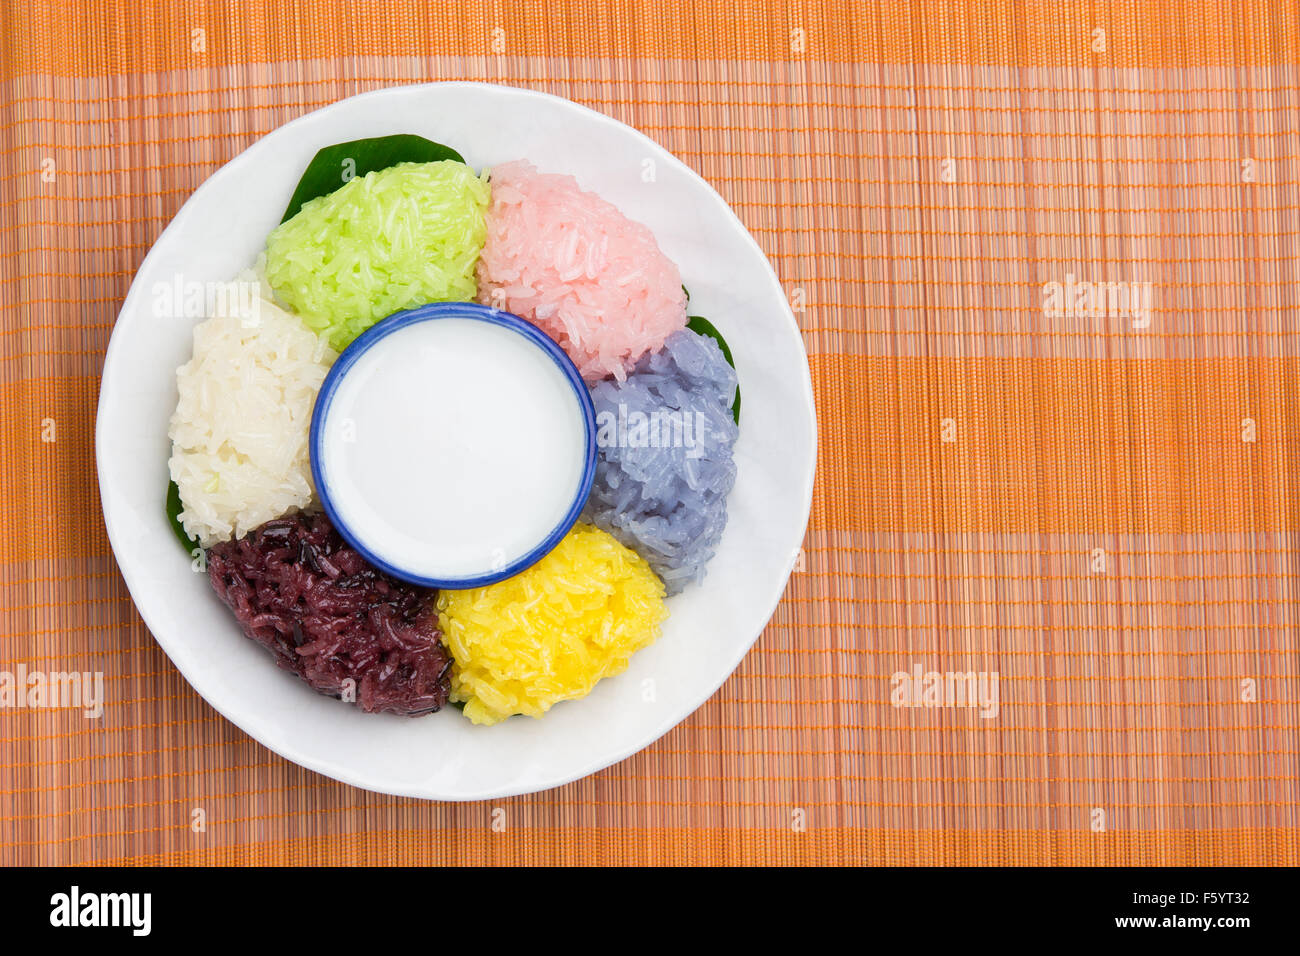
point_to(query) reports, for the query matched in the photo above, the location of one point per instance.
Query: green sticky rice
(390, 240)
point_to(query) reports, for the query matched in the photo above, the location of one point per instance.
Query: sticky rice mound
(551, 632)
(572, 264)
(664, 464)
(240, 429)
(390, 240)
(346, 628)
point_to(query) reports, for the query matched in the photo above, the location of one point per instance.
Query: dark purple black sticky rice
(328, 615)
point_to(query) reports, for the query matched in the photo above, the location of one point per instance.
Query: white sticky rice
(240, 430)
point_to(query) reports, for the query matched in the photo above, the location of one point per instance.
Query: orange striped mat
(1045, 260)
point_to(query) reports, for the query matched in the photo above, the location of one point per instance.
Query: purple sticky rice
(664, 464)
(298, 589)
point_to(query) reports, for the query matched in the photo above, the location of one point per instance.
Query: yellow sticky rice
(551, 632)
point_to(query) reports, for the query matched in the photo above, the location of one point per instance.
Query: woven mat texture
(1103, 509)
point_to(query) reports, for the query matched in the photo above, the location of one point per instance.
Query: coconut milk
(452, 448)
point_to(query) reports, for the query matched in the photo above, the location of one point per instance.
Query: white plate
(220, 231)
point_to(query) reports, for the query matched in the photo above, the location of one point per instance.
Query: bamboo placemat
(1104, 510)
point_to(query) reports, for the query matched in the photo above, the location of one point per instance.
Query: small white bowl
(369, 541)
(221, 230)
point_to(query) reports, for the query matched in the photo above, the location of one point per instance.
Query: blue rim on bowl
(454, 310)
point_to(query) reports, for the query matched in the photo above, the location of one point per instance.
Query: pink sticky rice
(573, 265)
